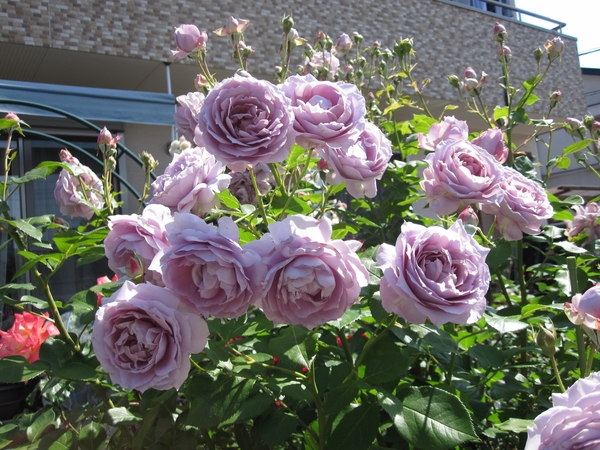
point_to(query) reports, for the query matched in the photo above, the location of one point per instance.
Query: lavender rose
(326, 113)
(189, 39)
(584, 310)
(324, 60)
(137, 237)
(586, 221)
(190, 182)
(492, 141)
(242, 188)
(311, 279)
(208, 269)
(448, 129)
(360, 165)
(460, 174)
(79, 193)
(523, 208)
(143, 341)
(572, 423)
(186, 116)
(436, 274)
(246, 121)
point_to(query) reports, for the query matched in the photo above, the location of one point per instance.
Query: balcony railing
(510, 12)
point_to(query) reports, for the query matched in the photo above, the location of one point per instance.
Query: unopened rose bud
(12, 116)
(554, 48)
(376, 44)
(348, 68)
(287, 23)
(148, 161)
(546, 339)
(575, 127)
(454, 81)
(343, 44)
(320, 38)
(60, 222)
(537, 53)
(588, 121)
(468, 216)
(471, 84)
(500, 33)
(111, 163)
(134, 268)
(555, 98)
(233, 26)
(470, 73)
(505, 53)
(65, 156)
(357, 38)
(292, 35)
(200, 82)
(105, 137)
(483, 78)
(328, 44)
(322, 164)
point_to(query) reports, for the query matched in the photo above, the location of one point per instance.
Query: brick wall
(447, 37)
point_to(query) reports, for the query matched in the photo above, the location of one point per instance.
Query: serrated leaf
(28, 229)
(392, 107)
(229, 200)
(121, 416)
(500, 112)
(14, 369)
(252, 407)
(356, 430)
(92, 436)
(350, 316)
(42, 421)
(341, 396)
(505, 324)
(295, 344)
(570, 247)
(515, 425)
(576, 146)
(487, 356)
(432, 418)
(76, 371)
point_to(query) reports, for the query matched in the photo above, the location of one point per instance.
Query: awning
(90, 103)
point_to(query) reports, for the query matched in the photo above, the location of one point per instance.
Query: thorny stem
(6, 164)
(259, 201)
(295, 187)
(590, 360)
(557, 373)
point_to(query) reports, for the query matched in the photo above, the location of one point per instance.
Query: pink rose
(138, 238)
(492, 141)
(186, 116)
(434, 273)
(586, 221)
(246, 121)
(208, 269)
(460, 174)
(188, 39)
(311, 279)
(143, 341)
(448, 129)
(361, 164)
(523, 208)
(74, 199)
(190, 182)
(572, 423)
(26, 336)
(326, 113)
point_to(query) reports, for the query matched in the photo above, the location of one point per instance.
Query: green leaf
(570, 247)
(340, 230)
(76, 371)
(350, 316)
(498, 255)
(121, 416)
(515, 425)
(500, 112)
(356, 430)
(229, 200)
(297, 156)
(14, 369)
(59, 440)
(565, 214)
(504, 324)
(430, 417)
(392, 107)
(277, 428)
(55, 352)
(341, 396)
(92, 437)
(295, 205)
(34, 174)
(28, 229)
(576, 146)
(251, 408)
(295, 344)
(532, 99)
(519, 115)
(44, 419)
(487, 356)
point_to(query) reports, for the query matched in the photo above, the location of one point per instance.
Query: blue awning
(90, 103)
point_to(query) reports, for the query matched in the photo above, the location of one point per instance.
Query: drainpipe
(169, 91)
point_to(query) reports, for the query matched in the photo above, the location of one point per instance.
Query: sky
(581, 17)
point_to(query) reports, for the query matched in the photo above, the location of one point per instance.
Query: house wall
(448, 38)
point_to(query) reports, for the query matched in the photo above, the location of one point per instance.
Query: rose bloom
(138, 238)
(436, 274)
(492, 141)
(326, 113)
(26, 336)
(190, 182)
(448, 129)
(208, 269)
(103, 280)
(311, 279)
(584, 310)
(573, 423)
(246, 121)
(143, 341)
(586, 221)
(68, 191)
(242, 188)
(361, 164)
(186, 116)
(523, 208)
(460, 174)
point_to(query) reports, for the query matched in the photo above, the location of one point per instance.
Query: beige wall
(447, 37)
